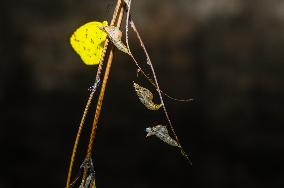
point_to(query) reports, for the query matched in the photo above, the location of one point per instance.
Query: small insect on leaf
(115, 35)
(162, 133)
(88, 41)
(146, 97)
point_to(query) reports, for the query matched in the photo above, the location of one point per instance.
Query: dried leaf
(90, 180)
(115, 35)
(161, 132)
(146, 97)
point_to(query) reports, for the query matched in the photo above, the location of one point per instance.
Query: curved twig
(153, 72)
(89, 101)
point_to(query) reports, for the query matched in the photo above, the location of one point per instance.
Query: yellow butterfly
(88, 41)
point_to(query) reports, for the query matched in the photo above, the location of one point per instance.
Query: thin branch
(101, 97)
(89, 102)
(156, 84)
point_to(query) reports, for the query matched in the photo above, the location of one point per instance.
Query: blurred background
(226, 54)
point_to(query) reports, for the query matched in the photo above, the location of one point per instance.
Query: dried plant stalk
(89, 102)
(101, 96)
(155, 83)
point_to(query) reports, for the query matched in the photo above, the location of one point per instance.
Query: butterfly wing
(88, 41)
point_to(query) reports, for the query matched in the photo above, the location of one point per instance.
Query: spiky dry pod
(146, 97)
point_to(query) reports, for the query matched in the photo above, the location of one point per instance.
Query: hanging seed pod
(162, 133)
(94, 87)
(90, 180)
(115, 35)
(146, 97)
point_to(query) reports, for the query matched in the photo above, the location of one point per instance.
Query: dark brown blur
(226, 54)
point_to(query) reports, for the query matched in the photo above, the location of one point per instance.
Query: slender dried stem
(102, 92)
(101, 97)
(155, 83)
(89, 102)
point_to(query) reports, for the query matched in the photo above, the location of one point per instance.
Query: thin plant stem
(89, 102)
(101, 97)
(159, 92)
(154, 75)
(129, 19)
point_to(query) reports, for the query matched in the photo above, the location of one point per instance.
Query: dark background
(226, 54)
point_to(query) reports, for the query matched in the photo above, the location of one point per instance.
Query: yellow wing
(88, 41)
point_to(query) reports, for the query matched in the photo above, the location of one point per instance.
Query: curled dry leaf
(162, 133)
(90, 182)
(115, 35)
(146, 97)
